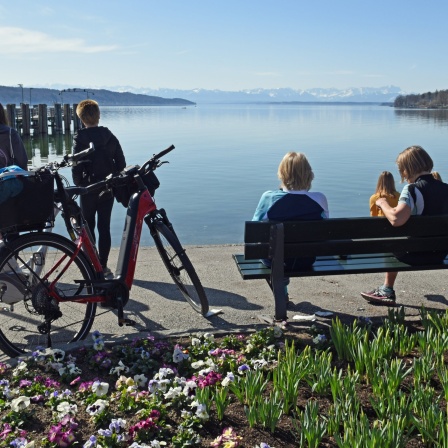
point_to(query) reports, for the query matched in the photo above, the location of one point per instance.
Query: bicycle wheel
(179, 267)
(27, 266)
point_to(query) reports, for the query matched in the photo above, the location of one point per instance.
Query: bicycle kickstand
(121, 319)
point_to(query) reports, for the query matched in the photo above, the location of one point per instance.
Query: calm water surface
(227, 155)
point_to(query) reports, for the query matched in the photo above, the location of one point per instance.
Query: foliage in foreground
(365, 387)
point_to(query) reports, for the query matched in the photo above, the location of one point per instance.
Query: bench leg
(278, 272)
(281, 303)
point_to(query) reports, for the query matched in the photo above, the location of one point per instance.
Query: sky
(226, 45)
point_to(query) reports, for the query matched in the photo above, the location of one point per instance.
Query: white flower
(195, 342)
(120, 368)
(20, 403)
(189, 386)
(20, 369)
(73, 369)
(259, 363)
(98, 345)
(205, 372)
(58, 355)
(58, 366)
(197, 364)
(100, 388)
(201, 412)
(153, 386)
(179, 355)
(173, 392)
(141, 380)
(97, 407)
(230, 377)
(163, 373)
(65, 408)
(157, 444)
(210, 337)
(210, 363)
(163, 385)
(278, 333)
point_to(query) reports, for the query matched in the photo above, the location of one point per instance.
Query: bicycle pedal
(127, 322)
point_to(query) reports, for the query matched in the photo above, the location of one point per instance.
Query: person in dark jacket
(12, 151)
(108, 158)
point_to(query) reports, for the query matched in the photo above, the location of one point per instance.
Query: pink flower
(6, 430)
(75, 381)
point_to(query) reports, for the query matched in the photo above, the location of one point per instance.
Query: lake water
(226, 156)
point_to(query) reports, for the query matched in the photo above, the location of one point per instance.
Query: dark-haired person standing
(12, 151)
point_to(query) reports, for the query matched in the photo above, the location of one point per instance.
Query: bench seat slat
(350, 247)
(255, 269)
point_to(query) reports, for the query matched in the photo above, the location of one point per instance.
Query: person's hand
(381, 201)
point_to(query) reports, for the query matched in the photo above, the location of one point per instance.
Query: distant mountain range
(39, 95)
(131, 96)
(385, 94)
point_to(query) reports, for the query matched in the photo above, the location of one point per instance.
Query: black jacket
(108, 157)
(20, 157)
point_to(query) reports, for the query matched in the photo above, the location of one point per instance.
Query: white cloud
(20, 41)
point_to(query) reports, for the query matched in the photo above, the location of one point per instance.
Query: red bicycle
(50, 285)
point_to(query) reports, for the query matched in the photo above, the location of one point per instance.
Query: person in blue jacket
(293, 201)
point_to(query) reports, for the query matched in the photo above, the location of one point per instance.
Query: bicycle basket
(123, 193)
(26, 200)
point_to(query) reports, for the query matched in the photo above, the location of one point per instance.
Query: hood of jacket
(98, 135)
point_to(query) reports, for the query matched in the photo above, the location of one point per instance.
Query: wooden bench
(367, 244)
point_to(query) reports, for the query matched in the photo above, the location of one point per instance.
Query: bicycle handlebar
(127, 175)
(68, 160)
(153, 162)
(74, 159)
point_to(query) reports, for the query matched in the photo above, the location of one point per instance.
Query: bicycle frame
(141, 206)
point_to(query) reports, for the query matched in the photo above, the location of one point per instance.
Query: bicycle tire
(180, 267)
(28, 259)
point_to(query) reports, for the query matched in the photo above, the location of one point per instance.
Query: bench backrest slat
(349, 236)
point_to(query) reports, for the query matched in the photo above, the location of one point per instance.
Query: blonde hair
(89, 112)
(385, 185)
(412, 161)
(295, 172)
(436, 175)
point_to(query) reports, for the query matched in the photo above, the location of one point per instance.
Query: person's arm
(21, 159)
(373, 206)
(119, 159)
(262, 208)
(398, 215)
(79, 170)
